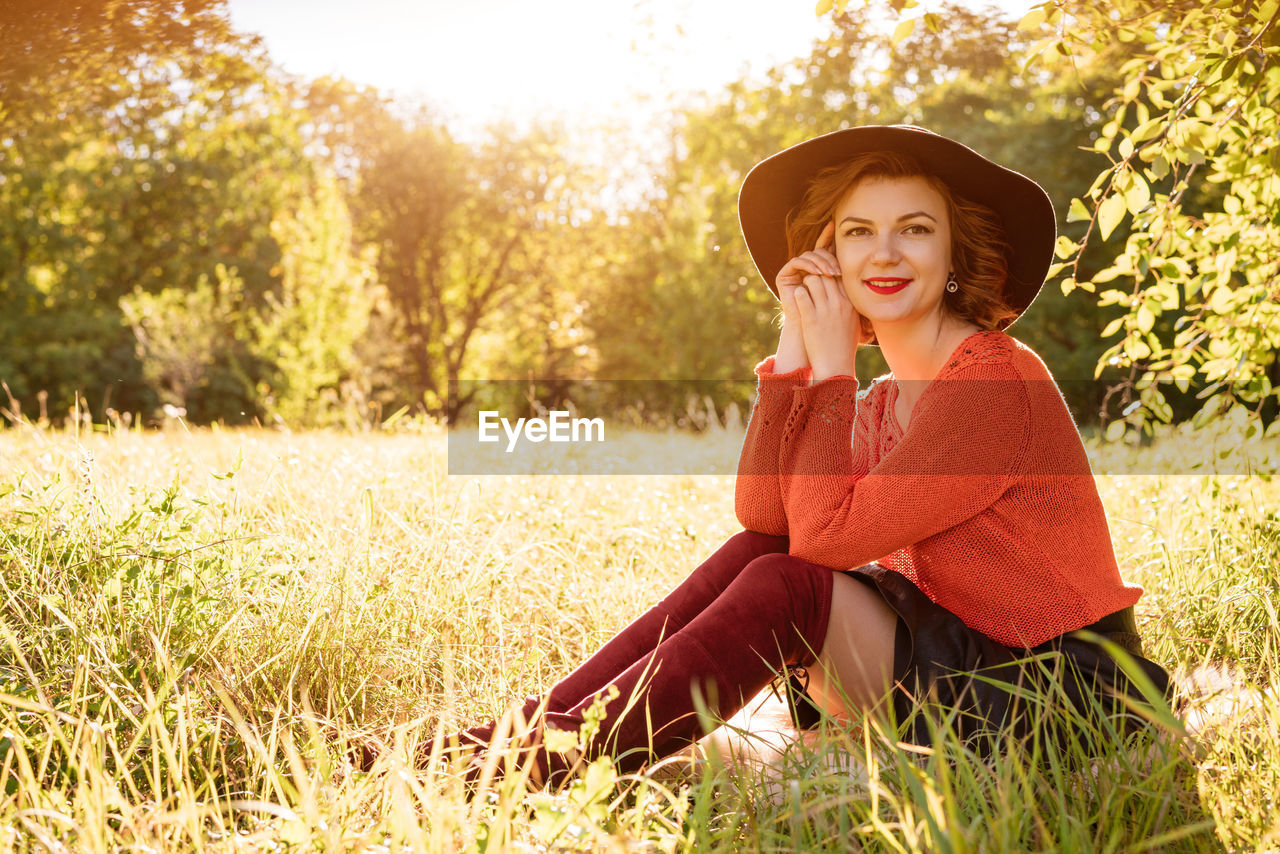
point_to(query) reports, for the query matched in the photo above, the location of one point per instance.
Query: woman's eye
(857, 231)
(919, 229)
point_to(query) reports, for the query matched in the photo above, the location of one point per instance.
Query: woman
(945, 519)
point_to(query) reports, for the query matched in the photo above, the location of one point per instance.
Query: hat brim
(776, 185)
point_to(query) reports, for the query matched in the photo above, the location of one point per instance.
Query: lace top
(986, 502)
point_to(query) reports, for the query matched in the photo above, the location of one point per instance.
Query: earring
(952, 284)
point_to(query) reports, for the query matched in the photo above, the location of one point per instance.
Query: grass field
(195, 623)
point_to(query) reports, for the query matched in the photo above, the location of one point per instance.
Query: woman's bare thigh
(855, 669)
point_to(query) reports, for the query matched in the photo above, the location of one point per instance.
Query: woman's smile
(886, 284)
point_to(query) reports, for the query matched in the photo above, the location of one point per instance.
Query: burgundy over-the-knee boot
(773, 614)
(642, 636)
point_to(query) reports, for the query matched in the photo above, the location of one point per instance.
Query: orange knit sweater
(986, 502)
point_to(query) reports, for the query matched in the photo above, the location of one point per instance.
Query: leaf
(1034, 19)
(904, 29)
(1182, 376)
(1146, 318)
(1159, 167)
(1077, 212)
(1110, 212)
(1220, 302)
(1111, 274)
(600, 778)
(1208, 412)
(560, 741)
(932, 21)
(1135, 348)
(1114, 326)
(1147, 130)
(1138, 195)
(823, 7)
(1114, 297)
(1115, 431)
(1065, 247)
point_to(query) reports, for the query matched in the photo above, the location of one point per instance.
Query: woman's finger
(824, 261)
(827, 238)
(835, 291)
(817, 289)
(803, 302)
(830, 263)
(787, 295)
(793, 272)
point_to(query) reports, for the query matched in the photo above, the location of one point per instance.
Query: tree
(454, 228)
(309, 326)
(151, 158)
(1193, 154)
(79, 83)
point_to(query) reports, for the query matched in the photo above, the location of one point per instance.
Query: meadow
(197, 624)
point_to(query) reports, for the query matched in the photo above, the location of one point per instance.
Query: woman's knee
(753, 544)
(714, 575)
(721, 568)
(801, 590)
(784, 567)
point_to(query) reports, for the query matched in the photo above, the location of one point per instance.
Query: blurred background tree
(147, 147)
(182, 223)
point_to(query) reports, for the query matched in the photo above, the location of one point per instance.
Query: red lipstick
(886, 284)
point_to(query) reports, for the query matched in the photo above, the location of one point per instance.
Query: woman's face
(893, 243)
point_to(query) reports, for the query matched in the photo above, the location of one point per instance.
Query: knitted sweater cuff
(800, 376)
(834, 394)
(773, 391)
(823, 414)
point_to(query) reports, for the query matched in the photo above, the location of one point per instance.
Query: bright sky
(526, 59)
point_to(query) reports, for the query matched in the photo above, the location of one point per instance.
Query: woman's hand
(790, 281)
(829, 325)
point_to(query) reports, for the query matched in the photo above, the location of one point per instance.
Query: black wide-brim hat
(777, 184)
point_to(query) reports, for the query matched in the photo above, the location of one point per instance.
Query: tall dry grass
(195, 625)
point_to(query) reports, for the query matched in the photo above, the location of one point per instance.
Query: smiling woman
(930, 541)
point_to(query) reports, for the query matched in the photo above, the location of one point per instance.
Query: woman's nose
(886, 250)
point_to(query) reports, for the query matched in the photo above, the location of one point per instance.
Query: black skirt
(946, 673)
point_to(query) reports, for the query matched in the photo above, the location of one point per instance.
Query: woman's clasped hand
(820, 326)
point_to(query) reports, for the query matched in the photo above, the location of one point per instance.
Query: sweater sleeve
(757, 496)
(960, 452)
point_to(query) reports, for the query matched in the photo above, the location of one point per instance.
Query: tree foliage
(183, 224)
(464, 238)
(148, 149)
(1194, 170)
